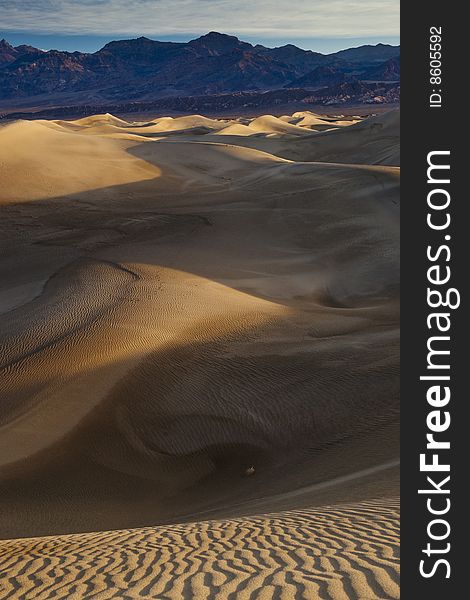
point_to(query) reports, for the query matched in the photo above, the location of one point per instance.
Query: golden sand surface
(331, 552)
(199, 320)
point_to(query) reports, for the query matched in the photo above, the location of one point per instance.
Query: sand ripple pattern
(336, 552)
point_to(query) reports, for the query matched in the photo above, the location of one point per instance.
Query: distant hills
(144, 70)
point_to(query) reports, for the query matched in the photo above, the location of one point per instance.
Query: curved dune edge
(84, 347)
(337, 552)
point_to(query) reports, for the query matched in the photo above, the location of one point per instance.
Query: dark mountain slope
(143, 69)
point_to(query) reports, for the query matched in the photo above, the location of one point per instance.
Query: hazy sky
(324, 25)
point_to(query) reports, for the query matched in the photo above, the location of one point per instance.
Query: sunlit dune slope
(373, 141)
(340, 553)
(41, 160)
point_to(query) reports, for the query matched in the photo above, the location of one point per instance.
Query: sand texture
(346, 552)
(199, 334)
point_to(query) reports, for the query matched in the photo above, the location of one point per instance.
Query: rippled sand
(330, 552)
(199, 320)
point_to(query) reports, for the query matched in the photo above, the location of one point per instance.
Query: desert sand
(199, 329)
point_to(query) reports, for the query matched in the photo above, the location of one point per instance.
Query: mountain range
(142, 69)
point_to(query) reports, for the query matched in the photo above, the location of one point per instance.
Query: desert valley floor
(199, 328)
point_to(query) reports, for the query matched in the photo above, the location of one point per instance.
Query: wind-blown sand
(182, 301)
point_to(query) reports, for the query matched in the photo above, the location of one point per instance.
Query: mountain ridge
(144, 69)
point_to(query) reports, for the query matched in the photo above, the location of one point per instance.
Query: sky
(86, 25)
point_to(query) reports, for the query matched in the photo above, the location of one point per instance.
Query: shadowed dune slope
(199, 319)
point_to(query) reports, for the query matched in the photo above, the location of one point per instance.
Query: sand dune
(237, 129)
(346, 552)
(373, 141)
(42, 160)
(199, 320)
(319, 123)
(94, 120)
(269, 124)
